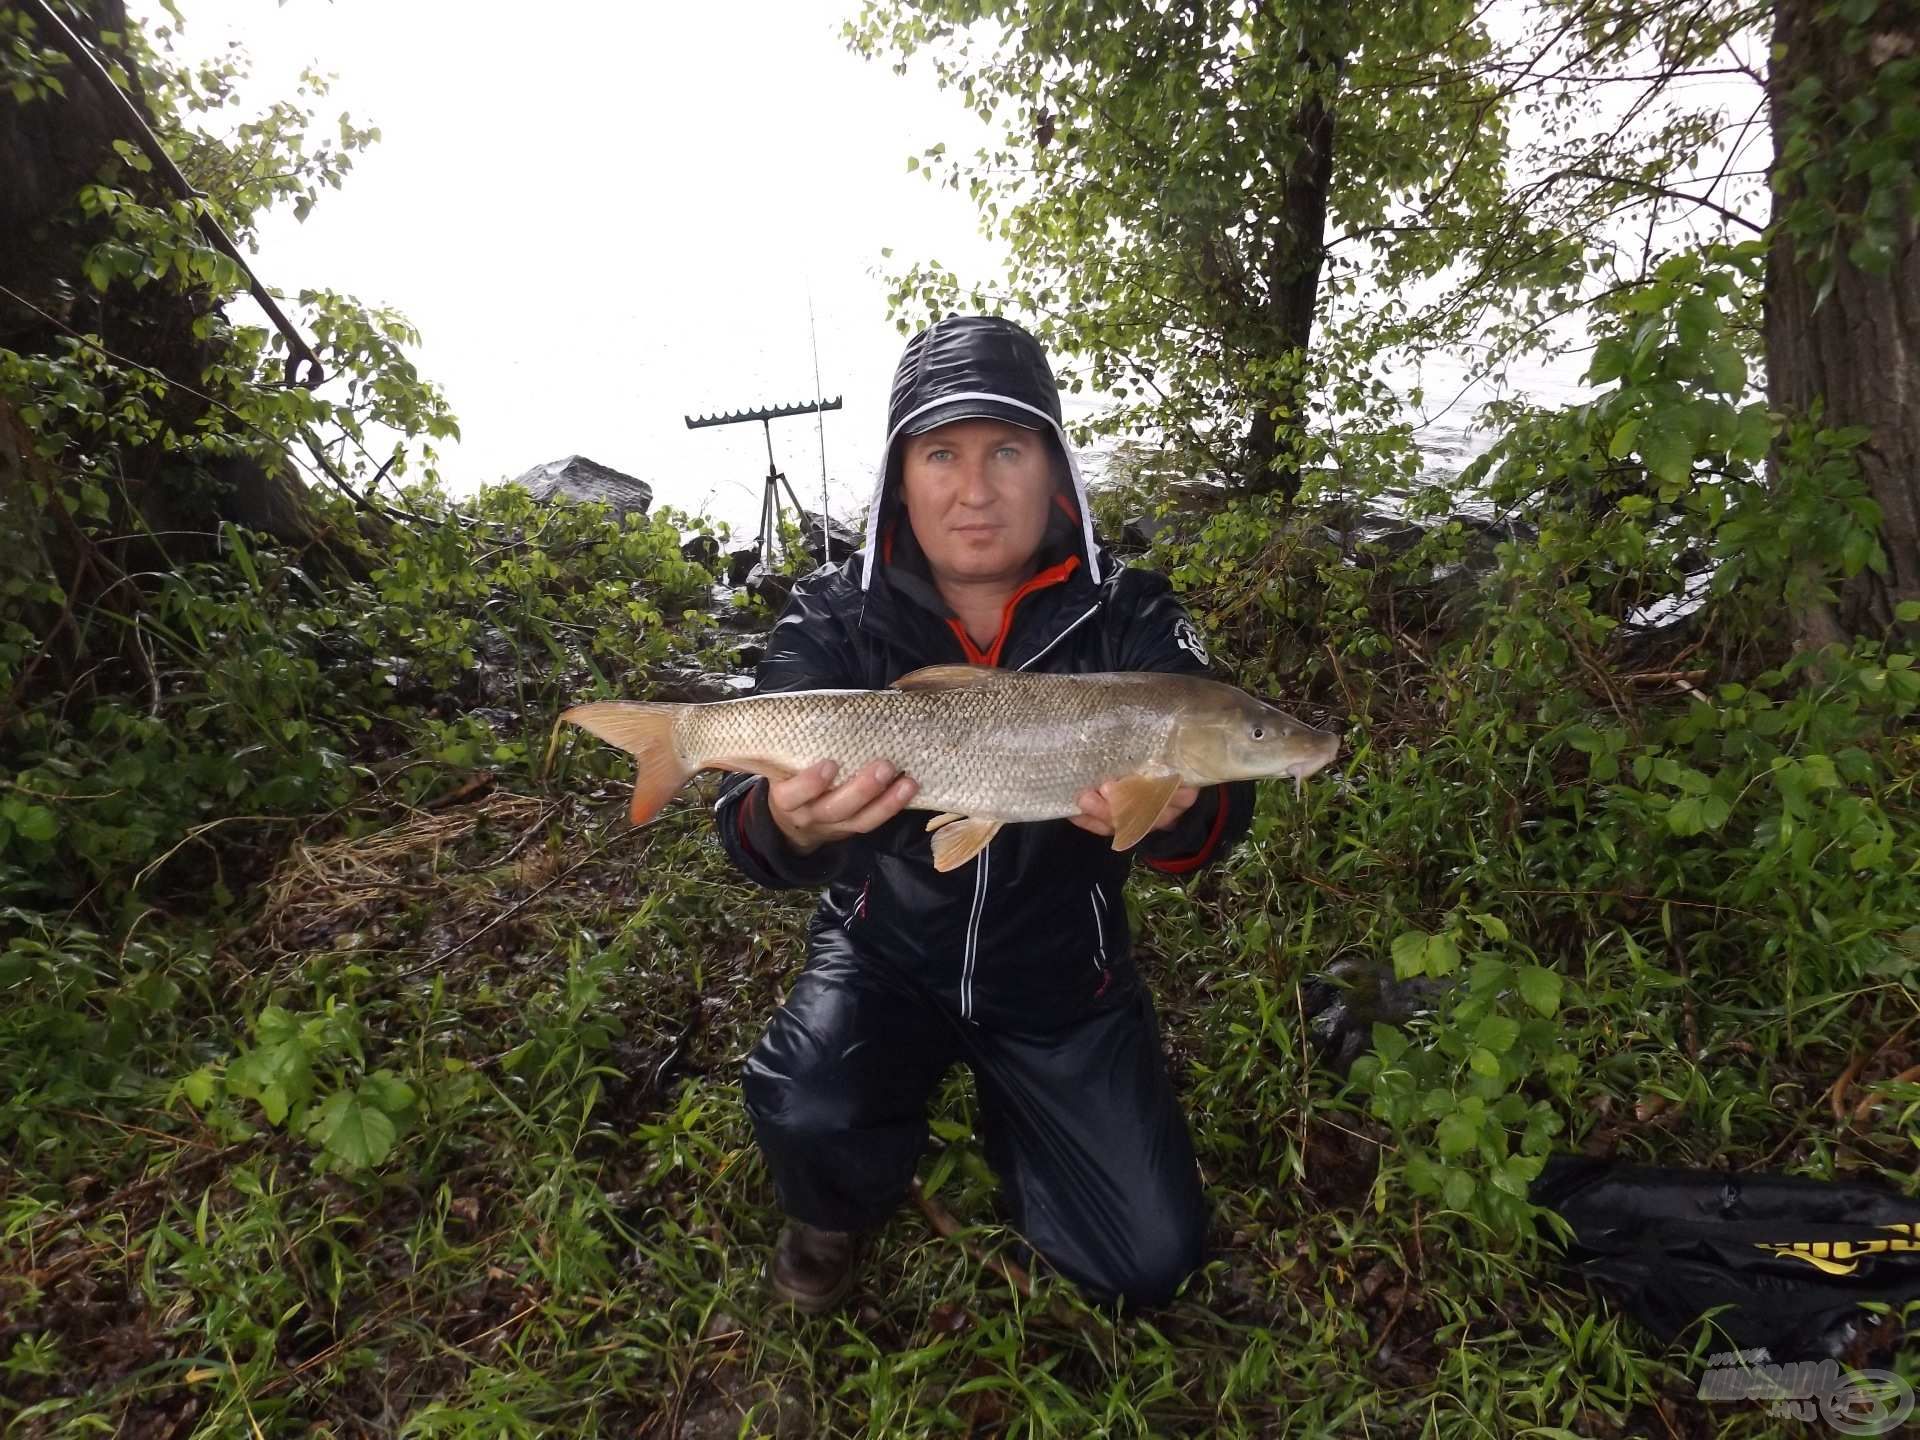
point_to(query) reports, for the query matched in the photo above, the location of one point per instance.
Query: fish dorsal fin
(1137, 801)
(959, 840)
(950, 677)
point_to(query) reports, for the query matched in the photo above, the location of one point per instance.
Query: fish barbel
(986, 747)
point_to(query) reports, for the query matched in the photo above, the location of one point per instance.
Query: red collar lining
(1052, 575)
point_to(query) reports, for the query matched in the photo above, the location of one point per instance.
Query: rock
(749, 656)
(842, 540)
(703, 550)
(577, 478)
(740, 564)
(683, 686)
(1141, 530)
(769, 587)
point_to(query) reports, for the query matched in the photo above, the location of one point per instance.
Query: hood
(965, 367)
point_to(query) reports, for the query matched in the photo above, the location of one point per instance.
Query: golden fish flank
(986, 747)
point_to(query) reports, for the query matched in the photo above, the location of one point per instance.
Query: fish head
(1229, 735)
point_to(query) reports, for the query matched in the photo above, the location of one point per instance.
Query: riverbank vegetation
(363, 1072)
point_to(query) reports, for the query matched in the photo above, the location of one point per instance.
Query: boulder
(579, 479)
(740, 564)
(841, 540)
(1140, 531)
(770, 588)
(703, 550)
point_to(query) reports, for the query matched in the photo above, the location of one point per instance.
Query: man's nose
(976, 487)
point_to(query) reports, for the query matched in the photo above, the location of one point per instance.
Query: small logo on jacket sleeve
(1188, 639)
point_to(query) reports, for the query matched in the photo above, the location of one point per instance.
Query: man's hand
(812, 811)
(1096, 811)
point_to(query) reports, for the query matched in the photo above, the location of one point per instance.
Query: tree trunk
(1295, 256)
(1858, 347)
(49, 148)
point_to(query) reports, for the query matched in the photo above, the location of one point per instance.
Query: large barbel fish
(987, 747)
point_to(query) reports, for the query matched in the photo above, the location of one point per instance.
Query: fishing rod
(820, 419)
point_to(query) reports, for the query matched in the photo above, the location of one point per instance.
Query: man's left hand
(1096, 810)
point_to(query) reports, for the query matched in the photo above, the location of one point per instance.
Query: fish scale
(1011, 752)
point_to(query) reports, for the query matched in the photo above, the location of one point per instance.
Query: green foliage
(359, 1071)
(1146, 187)
(1847, 165)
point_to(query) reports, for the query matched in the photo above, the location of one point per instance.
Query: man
(980, 549)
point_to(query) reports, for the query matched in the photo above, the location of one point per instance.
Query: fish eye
(1259, 732)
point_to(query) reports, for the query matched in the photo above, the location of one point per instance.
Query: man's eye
(938, 454)
(1013, 450)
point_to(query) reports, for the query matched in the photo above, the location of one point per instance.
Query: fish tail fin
(645, 730)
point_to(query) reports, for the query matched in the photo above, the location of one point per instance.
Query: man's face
(977, 493)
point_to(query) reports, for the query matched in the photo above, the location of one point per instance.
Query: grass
(570, 1235)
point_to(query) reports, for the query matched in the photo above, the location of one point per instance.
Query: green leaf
(1728, 369)
(1458, 1191)
(354, 1132)
(388, 1091)
(1497, 1033)
(37, 822)
(199, 1087)
(1621, 445)
(1443, 956)
(1610, 361)
(1687, 816)
(1409, 954)
(1456, 1135)
(1666, 451)
(1517, 1173)
(1540, 988)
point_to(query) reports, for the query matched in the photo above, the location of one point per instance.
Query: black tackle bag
(1790, 1259)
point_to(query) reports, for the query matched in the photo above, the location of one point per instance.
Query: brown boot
(812, 1269)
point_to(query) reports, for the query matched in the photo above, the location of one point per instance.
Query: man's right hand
(812, 811)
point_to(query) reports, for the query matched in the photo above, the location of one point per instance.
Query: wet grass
(570, 1233)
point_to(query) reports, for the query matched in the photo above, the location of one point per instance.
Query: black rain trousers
(1080, 1122)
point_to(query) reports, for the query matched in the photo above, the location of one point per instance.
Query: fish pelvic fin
(1137, 801)
(645, 730)
(959, 840)
(952, 677)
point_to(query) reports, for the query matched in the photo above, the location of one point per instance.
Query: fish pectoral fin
(962, 838)
(950, 677)
(1137, 802)
(947, 819)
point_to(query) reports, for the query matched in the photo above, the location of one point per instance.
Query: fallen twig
(949, 1228)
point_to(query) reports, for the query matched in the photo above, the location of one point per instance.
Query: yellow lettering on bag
(1843, 1257)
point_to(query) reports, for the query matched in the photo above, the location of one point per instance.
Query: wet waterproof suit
(1018, 963)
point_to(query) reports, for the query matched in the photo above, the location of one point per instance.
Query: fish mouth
(1313, 756)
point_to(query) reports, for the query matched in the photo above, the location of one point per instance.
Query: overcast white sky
(605, 216)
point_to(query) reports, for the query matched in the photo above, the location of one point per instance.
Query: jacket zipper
(982, 866)
(1032, 659)
(973, 934)
(1099, 927)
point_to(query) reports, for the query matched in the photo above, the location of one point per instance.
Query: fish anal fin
(950, 677)
(958, 841)
(645, 731)
(1136, 801)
